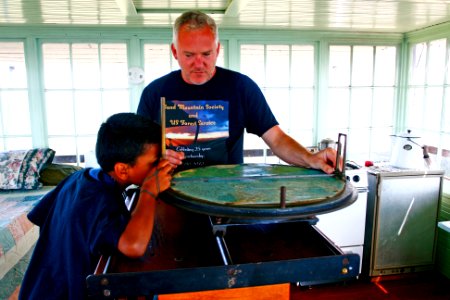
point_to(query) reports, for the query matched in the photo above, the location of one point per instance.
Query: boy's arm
(134, 240)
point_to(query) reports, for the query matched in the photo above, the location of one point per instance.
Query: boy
(85, 216)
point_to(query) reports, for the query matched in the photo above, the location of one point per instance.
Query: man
(85, 216)
(196, 47)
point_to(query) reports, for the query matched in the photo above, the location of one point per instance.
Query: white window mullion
(73, 91)
(35, 96)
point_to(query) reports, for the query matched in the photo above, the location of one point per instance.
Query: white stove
(345, 227)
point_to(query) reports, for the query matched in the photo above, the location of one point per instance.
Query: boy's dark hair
(122, 139)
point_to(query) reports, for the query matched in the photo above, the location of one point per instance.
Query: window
(158, 61)
(15, 125)
(428, 101)
(75, 85)
(84, 83)
(285, 73)
(361, 99)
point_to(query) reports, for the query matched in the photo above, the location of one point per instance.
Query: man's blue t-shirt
(247, 106)
(81, 219)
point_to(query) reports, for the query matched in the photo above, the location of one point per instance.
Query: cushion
(19, 169)
(53, 174)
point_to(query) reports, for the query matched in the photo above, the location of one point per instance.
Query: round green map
(256, 185)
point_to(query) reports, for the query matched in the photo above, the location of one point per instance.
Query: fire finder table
(231, 245)
(186, 256)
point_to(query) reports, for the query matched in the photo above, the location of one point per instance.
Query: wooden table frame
(184, 256)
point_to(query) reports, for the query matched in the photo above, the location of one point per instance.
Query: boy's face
(145, 163)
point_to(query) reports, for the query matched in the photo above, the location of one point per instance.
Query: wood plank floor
(423, 286)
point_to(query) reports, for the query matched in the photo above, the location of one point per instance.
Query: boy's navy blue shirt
(81, 219)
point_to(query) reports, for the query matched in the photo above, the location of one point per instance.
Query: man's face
(196, 51)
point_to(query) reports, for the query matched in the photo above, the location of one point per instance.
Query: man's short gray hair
(195, 19)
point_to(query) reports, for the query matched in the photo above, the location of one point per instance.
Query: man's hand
(324, 160)
(175, 158)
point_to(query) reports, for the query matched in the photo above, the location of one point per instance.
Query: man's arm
(292, 152)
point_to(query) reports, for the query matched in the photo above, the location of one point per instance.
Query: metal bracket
(341, 155)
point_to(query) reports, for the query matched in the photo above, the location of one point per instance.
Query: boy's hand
(159, 179)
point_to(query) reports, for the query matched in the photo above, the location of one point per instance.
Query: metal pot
(327, 143)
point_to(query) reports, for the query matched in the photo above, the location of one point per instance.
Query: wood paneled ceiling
(396, 16)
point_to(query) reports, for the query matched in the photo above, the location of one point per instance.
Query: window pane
(12, 65)
(361, 107)
(252, 141)
(338, 110)
(86, 72)
(87, 144)
(433, 109)
(445, 154)
(358, 144)
(446, 120)
(385, 66)
(414, 108)
(15, 112)
(381, 144)
(447, 65)
(63, 145)
(383, 107)
(60, 116)
(114, 65)
(302, 66)
(221, 58)
(436, 62)
(333, 133)
(301, 110)
(362, 66)
(88, 112)
(301, 115)
(339, 71)
(430, 138)
(304, 137)
(157, 61)
(18, 143)
(252, 63)
(278, 100)
(57, 66)
(115, 102)
(277, 69)
(418, 64)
